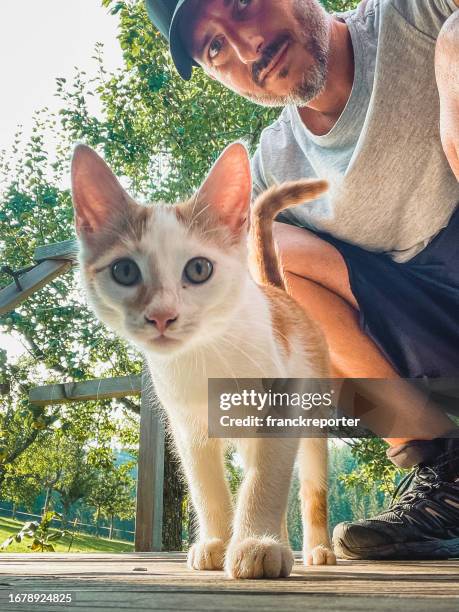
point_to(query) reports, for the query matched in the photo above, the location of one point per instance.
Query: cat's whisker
(268, 327)
(210, 231)
(224, 360)
(273, 365)
(203, 361)
(228, 335)
(198, 214)
(195, 200)
(241, 351)
(230, 369)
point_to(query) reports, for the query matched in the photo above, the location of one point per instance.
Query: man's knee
(301, 251)
(304, 254)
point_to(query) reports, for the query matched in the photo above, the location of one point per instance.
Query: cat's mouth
(164, 343)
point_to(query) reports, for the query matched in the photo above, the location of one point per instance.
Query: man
(371, 102)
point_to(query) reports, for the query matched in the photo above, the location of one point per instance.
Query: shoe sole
(409, 551)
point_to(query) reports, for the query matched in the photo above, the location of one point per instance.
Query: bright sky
(39, 41)
(44, 39)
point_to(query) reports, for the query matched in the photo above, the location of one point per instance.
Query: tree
(32, 471)
(35, 441)
(20, 490)
(294, 520)
(112, 494)
(21, 423)
(76, 479)
(372, 469)
(350, 497)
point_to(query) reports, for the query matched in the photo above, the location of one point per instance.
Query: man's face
(273, 52)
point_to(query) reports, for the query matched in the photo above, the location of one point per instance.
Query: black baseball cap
(164, 14)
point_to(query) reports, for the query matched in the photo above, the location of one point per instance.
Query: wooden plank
(161, 581)
(167, 573)
(67, 249)
(99, 388)
(31, 282)
(150, 479)
(113, 596)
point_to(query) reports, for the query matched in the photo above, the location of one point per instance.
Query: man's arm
(447, 74)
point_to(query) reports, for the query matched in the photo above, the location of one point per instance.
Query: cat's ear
(228, 187)
(97, 194)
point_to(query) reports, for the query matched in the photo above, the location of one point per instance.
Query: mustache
(268, 53)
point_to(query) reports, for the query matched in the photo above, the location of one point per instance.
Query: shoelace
(425, 480)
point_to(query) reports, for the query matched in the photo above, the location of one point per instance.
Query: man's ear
(97, 194)
(228, 187)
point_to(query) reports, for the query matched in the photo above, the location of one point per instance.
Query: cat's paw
(319, 555)
(207, 555)
(258, 558)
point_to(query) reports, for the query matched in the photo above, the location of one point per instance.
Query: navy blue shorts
(410, 310)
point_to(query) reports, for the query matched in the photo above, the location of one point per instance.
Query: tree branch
(38, 353)
(130, 404)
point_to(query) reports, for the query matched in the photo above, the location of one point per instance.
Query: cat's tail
(264, 210)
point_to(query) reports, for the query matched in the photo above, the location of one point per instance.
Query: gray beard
(310, 16)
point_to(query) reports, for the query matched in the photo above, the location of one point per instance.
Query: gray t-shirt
(392, 189)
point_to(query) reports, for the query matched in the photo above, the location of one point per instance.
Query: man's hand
(447, 74)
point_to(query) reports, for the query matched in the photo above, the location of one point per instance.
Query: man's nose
(247, 45)
(161, 319)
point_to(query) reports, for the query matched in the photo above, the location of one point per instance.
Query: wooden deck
(161, 581)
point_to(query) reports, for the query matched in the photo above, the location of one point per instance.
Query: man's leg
(317, 278)
(425, 521)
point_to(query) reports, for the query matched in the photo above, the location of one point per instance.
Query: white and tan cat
(174, 281)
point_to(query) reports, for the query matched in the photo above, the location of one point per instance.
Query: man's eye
(215, 47)
(243, 4)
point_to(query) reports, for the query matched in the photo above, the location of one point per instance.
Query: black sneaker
(422, 524)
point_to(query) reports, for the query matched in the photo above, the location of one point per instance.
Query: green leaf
(116, 9)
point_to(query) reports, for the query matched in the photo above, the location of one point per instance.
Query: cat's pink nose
(161, 320)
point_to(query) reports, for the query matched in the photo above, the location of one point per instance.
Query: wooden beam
(67, 249)
(53, 260)
(31, 282)
(101, 388)
(150, 479)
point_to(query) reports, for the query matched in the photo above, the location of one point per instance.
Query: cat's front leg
(203, 463)
(313, 475)
(258, 548)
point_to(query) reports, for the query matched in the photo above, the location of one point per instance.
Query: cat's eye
(198, 270)
(125, 272)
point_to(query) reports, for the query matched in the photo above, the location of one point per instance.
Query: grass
(82, 542)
